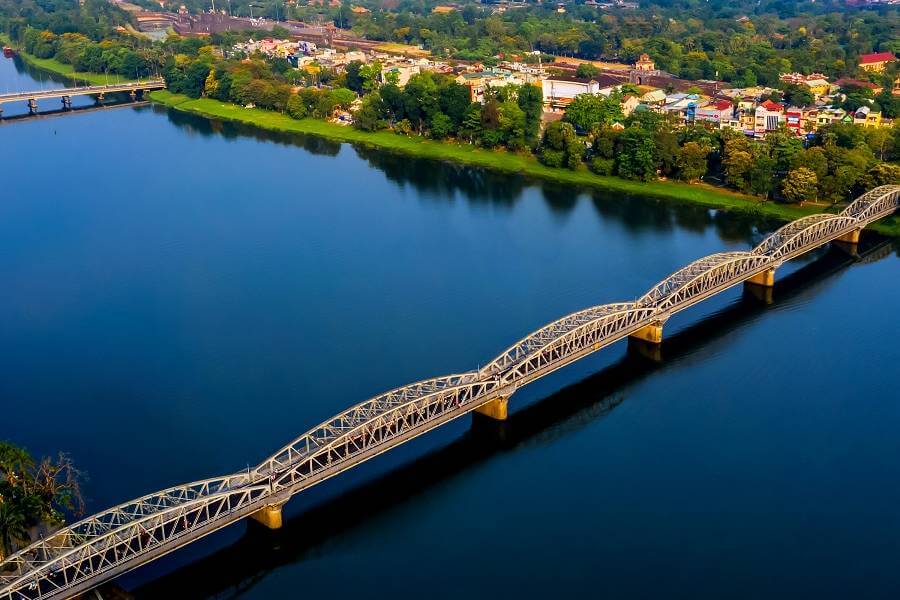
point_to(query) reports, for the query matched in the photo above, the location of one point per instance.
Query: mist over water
(182, 297)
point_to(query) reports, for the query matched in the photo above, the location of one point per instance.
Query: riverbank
(51, 65)
(703, 195)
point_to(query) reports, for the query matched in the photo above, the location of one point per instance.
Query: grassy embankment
(51, 65)
(703, 195)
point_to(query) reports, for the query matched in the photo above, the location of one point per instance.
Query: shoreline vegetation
(699, 194)
(500, 160)
(51, 65)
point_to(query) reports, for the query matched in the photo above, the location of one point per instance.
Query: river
(181, 297)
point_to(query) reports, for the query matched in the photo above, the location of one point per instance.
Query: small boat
(8, 52)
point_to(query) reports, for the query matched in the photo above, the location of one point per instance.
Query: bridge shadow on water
(238, 567)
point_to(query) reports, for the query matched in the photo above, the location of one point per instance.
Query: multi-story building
(876, 62)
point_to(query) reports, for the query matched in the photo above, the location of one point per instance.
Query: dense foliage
(34, 493)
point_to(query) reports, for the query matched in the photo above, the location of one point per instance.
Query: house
(768, 116)
(827, 116)
(654, 97)
(403, 72)
(850, 83)
(359, 10)
(683, 106)
(876, 62)
(479, 83)
(628, 104)
(443, 9)
(818, 87)
(866, 117)
(716, 113)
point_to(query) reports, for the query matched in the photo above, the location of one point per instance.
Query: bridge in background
(66, 94)
(84, 555)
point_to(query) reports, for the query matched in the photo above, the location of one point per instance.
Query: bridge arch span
(874, 204)
(701, 279)
(336, 427)
(804, 234)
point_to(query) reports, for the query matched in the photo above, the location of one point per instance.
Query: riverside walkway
(66, 94)
(103, 546)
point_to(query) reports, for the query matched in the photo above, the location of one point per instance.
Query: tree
(561, 146)
(881, 174)
(371, 115)
(691, 161)
(801, 184)
(531, 101)
(587, 110)
(354, 79)
(13, 528)
(637, 154)
(33, 493)
(587, 71)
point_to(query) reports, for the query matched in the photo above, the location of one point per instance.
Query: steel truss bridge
(81, 556)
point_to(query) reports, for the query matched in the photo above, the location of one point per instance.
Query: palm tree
(12, 528)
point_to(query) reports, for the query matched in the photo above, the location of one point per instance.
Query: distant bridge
(84, 555)
(66, 94)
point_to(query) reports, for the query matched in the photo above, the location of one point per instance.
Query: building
(866, 117)
(876, 62)
(716, 113)
(560, 90)
(644, 63)
(479, 83)
(767, 117)
(628, 104)
(849, 83)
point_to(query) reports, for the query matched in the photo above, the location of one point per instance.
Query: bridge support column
(133, 95)
(495, 409)
(850, 238)
(652, 333)
(269, 516)
(765, 279)
(32, 105)
(67, 103)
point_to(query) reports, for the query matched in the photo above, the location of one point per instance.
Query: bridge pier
(67, 103)
(269, 516)
(495, 409)
(32, 105)
(850, 238)
(764, 279)
(652, 333)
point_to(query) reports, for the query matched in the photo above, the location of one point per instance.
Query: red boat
(8, 52)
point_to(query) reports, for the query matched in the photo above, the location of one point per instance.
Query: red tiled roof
(769, 105)
(876, 57)
(856, 83)
(723, 104)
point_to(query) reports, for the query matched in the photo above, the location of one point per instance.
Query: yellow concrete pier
(765, 279)
(495, 409)
(850, 238)
(651, 333)
(270, 516)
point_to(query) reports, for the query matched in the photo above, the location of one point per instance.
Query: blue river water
(181, 297)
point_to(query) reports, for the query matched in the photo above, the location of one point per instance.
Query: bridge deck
(98, 548)
(91, 90)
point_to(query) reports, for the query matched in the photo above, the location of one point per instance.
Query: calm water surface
(182, 297)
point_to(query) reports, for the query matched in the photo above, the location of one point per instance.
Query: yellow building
(876, 62)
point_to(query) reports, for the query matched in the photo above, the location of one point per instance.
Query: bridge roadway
(81, 556)
(66, 94)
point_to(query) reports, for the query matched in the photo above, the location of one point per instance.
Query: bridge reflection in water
(238, 567)
(97, 549)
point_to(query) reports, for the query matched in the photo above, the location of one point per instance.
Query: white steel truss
(98, 548)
